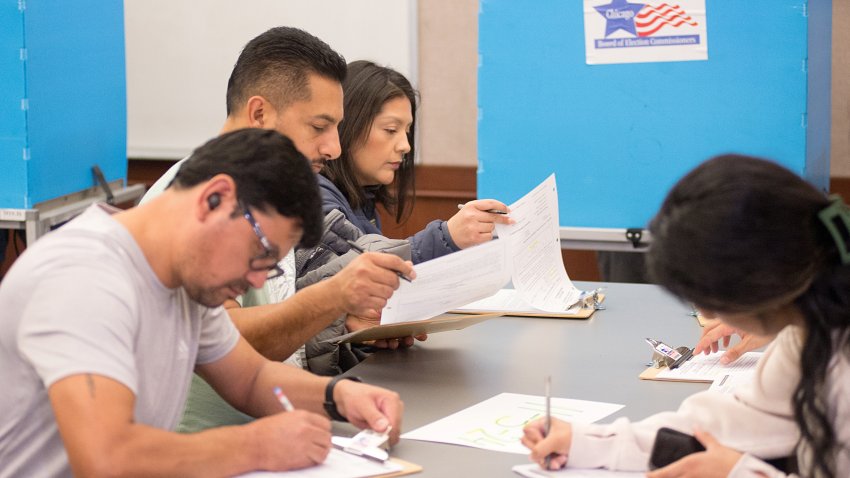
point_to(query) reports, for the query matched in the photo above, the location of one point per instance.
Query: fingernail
(724, 360)
(382, 424)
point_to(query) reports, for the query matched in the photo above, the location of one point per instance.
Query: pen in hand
(284, 401)
(361, 251)
(491, 211)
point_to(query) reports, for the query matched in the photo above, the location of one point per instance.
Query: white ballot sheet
(534, 243)
(729, 381)
(450, 281)
(705, 368)
(338, 465)
(533, 470)
(496, 423)
(527, 252)
(509, 300)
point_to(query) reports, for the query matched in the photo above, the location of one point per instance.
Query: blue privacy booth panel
(618, 136)
(13, 132)
(75, 92)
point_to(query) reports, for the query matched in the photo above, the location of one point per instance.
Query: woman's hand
(473, 225)
(716, 331)
(555, 444)
(715, 462)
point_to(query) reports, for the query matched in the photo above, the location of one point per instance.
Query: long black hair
(742, 234)
(367, 87)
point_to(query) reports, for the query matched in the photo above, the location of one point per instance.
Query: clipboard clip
(664, 355)
(367, 444)
(589, 299)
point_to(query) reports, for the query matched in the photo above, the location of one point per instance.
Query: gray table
(597, 359)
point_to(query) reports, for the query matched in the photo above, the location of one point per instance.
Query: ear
(215, 197)
(260, 113)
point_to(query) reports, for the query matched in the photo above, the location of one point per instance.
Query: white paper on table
(534, 243)
(728, 382)
(448, 282)
(705, 368)
(509, 300)
(338, 464)
(532, 470)
(496, 423)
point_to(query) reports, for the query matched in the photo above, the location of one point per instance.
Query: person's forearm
(277, 330)
(305, 390)
(223, 451)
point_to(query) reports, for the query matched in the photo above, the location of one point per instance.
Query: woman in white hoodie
(753, 245)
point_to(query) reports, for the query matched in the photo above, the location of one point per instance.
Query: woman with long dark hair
(376, 167)
(753, 245)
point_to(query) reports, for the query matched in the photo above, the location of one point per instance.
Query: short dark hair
(269, 172)
(366, 88)
(742, 234)
(276, 64)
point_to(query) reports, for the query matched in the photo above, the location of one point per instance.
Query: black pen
(491, 211)
(361, 251)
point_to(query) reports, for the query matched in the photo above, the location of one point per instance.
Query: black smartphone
(671, 445)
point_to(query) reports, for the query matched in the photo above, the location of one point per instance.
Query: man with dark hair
(106, 318)
(290, 81)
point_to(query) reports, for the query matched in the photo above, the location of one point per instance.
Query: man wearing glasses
(105, 319)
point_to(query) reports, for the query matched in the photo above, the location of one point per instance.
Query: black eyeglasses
(267, 261)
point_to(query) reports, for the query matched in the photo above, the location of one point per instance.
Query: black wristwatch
(330, 404)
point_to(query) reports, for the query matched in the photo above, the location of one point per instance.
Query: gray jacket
(323, 261)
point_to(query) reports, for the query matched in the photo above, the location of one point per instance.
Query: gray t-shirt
(81, 300)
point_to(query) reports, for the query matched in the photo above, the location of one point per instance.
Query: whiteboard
(180, 54)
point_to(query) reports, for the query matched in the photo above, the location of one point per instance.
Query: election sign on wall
(619, 31)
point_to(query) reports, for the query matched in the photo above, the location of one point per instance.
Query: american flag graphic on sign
(651, 19)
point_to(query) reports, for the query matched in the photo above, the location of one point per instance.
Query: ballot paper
(338, 464)
(705, 368)
(533, 470)
(496, 423)
(527, 253)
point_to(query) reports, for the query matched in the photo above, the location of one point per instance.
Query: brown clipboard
(441, 323)
(408, 469)
(583, 313)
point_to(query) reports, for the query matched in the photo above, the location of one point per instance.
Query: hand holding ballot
(474, 223)
(527, 253)
(368, 280)
(715, 332)
(354, 323)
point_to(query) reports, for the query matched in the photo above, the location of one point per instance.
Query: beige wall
(448, 78)
(840, 154)
(448, 63)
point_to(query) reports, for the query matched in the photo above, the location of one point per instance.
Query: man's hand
(556, 443)
(473, 225)
(354, 323)
(716, 331)
(715, 462)
(305, 436)
(367, 406)
(366, 283)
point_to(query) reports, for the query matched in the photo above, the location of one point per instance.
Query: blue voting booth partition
(618, 136)
(62, 98)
